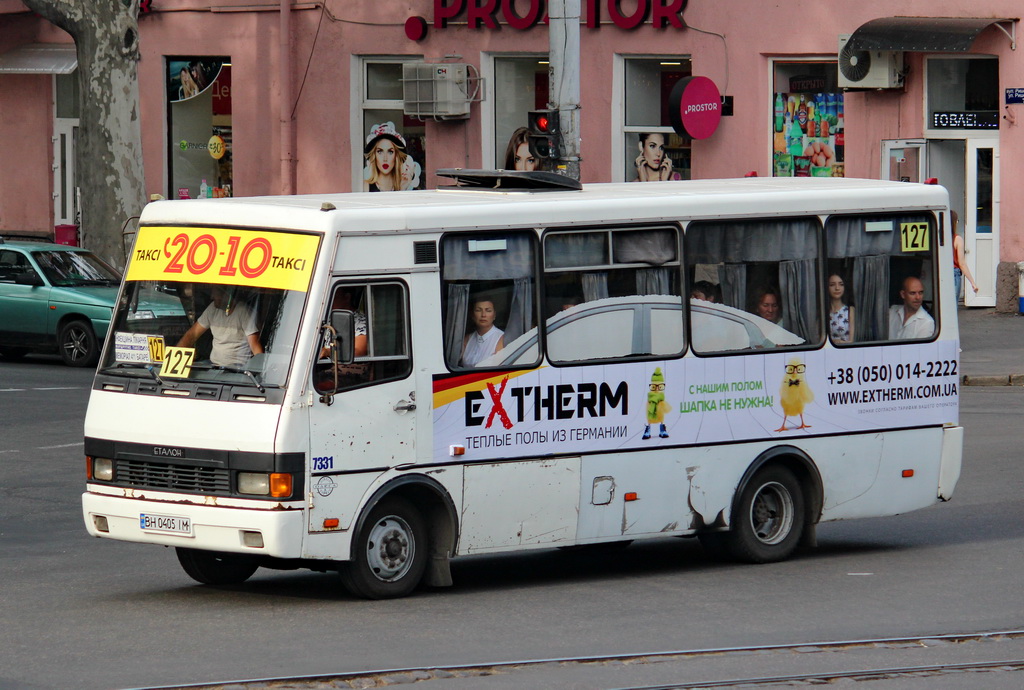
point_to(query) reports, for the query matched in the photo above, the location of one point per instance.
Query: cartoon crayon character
(656, 405)
(794, 394)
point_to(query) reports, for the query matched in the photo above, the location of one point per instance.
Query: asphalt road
(80, 612)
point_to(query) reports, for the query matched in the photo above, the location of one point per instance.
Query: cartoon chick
(794, 394)
(656, 405)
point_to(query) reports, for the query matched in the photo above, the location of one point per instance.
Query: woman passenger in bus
(486, 338)
(768, 305)
(840, 314)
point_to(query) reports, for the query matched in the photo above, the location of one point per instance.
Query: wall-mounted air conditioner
(440, 91)
(869, 69)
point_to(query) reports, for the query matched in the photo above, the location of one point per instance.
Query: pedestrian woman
(960, 269)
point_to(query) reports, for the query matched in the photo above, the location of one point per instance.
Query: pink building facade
(249, 98)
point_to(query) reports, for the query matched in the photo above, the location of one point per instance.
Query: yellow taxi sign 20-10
(255, 258)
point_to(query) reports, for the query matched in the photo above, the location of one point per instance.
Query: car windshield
(75, 269)
(219, 333)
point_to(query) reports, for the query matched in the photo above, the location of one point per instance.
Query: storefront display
(809, 136)
(807, 120)
(199, 127)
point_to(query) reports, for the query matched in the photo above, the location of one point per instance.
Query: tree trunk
(109, 149)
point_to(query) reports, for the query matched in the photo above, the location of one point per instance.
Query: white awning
(40, 58)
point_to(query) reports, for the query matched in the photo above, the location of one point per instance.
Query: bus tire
(215, 568)
(77, 344)
(389, 555)
(769, 517)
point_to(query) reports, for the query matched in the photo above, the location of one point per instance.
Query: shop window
(199, 126)
(808, 130)
(612, 294)
(963, 93)
(524, 87)
(665, 155)
(489, 291)
(381, 345)
(886, 265)
(392, 149)
(756, 284)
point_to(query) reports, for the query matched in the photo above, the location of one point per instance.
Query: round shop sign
(216, 147)
(695, 107)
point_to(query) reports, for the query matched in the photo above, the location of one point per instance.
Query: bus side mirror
(343, 323)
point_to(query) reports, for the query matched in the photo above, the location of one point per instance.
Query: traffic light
(545, 139)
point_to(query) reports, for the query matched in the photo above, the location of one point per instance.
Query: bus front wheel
(214, 568)
(768, 521)
(389, 556)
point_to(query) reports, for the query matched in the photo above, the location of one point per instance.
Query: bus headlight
(254, 483)
(276, 484)
(102, 469)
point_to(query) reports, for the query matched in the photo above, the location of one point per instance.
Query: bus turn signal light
(630, 496)
(280, 485)
(908, 473)
(331, 523)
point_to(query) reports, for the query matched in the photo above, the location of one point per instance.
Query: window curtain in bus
(732, 278)
(797, 280)
(520, 311)
(463, 260)
(457, 312)
(652, 247)
(652, 281)
(751, 242)
(568, 250)
(871, 297)
(595, 286)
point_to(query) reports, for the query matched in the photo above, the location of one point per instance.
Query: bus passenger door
(369, 423)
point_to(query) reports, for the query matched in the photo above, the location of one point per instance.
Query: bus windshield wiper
(236, 370)
(148, 368)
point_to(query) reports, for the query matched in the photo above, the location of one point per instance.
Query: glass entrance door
(903, 160)
(981, 221)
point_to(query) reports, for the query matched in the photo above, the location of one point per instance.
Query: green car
(54, 298)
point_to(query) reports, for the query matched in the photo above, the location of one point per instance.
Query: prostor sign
(526, 14)
(695, 107)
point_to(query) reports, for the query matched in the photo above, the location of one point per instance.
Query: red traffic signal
(544, 135)
(543, 122)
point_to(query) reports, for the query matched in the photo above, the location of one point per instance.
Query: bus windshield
(212, 305)
(232, 334)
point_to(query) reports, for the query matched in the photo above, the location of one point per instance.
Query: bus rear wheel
(768, 521)
(215, 568)
(389, 555)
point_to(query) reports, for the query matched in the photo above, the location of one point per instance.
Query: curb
(1001, 380)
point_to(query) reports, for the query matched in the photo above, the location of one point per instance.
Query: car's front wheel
(77, 344)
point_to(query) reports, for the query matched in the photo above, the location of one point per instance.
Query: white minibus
(378, 383)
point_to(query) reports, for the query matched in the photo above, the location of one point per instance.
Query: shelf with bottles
(678, 149)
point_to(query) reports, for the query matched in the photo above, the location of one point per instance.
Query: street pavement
(991, 347)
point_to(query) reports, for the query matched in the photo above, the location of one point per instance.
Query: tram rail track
(397, 677)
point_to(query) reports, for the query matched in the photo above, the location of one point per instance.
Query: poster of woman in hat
(385, 156)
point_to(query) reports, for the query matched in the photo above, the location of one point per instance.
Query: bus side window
(381, 346)
(612, 294)
(881, 277)
(765, 276)
(489, 300)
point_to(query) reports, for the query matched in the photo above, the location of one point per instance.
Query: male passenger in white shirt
(909, 321)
